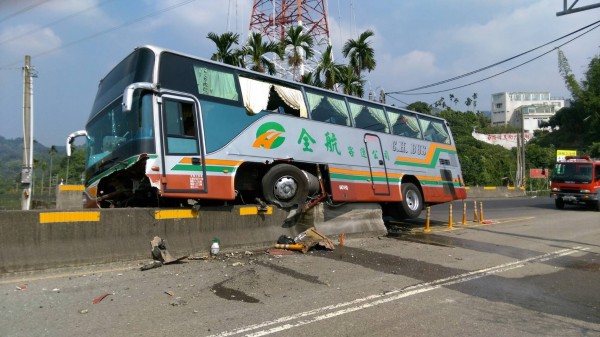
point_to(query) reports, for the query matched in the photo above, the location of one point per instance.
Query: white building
(507, 108)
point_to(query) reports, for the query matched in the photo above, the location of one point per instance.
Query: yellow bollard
(481, 212)
(475, 217)
(464, 217)
(450, 218)
(427, 229)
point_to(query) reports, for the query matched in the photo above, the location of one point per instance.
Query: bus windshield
(116, 135)
(573, 172)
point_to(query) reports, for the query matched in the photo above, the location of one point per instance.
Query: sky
(74, 43)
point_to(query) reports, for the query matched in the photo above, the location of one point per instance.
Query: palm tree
(351, 82)
(256, 50)
(328, 69)
(301, 48)
(311, 78)
(225, 52)
(360, 52)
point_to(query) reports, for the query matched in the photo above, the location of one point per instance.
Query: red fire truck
(576, 180)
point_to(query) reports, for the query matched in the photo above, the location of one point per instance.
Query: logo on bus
(269, 136)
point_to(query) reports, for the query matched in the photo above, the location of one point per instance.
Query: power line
(29, 32)
(407, 92)
(23, 10)
(161, 11)
(502, 72)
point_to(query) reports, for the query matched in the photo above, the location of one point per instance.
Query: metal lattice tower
(272, 18)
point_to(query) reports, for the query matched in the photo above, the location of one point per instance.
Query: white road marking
(335, 310)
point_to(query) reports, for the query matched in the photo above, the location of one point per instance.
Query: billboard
(561, 154)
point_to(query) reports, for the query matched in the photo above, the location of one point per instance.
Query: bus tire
(412, 200)
(559, 203)
(285, 185)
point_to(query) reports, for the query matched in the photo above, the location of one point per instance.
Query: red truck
(576, 180)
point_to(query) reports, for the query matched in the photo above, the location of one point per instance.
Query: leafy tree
(360, 53)
(351, 82)
(576, 127)
(420, 106)
(311, 78)
(256, 50)
(301, 46)
(226, 52)
(327, 68)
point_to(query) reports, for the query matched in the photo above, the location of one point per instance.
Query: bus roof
(159, 50)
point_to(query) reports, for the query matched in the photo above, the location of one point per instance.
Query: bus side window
(328, 109)
(434, 130)
(404, 124)
(369, 117)
(260, 96)
(180, 127)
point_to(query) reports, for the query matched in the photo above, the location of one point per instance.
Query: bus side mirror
(130, 90)
(72, 137)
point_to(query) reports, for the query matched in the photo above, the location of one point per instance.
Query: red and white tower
(272, 18)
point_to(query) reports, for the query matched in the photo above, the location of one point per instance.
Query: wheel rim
(285, 188)
(412, 200)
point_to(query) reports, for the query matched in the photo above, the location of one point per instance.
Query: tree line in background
(294, 48)
(574, 128)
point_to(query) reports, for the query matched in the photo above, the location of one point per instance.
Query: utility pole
(27, 168)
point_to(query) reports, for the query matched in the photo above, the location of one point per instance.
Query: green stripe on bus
(439, 183)
(362, 178)
(210, 168)
(431, 164)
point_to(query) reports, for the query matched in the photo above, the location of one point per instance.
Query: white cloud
(41, 40)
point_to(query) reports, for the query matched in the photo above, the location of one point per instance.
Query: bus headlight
(584, 191)
(555, 189)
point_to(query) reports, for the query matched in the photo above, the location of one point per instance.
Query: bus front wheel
(285, 185)
(412, 201)
(559, 203)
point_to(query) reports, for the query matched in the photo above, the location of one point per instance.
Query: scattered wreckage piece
(305, 241)
(161, 254)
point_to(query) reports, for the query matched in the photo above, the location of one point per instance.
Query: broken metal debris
(305, 241)
(161, 254)
(160, 251)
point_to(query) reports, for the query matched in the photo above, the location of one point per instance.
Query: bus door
(184, 169)
(379, 178)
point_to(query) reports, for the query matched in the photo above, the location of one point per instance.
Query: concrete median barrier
(37, 240)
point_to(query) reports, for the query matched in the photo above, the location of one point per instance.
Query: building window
(498, 105)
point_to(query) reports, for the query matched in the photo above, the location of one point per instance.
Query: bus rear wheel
(412, 201)
(285, 185)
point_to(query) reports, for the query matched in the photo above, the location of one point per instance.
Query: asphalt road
(530, 270)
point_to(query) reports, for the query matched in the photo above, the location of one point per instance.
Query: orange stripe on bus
(429, 156)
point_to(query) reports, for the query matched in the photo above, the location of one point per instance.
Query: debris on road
(278, 252)
(153, 264)
(305, 241)
(312, 238)
(161, 253)
(99, 298)
(22, 287)
(170, 293)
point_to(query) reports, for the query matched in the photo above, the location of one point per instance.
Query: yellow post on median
(427, 229)
(450, 218)
(464, 217)
(481, 212)
(475, 217)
